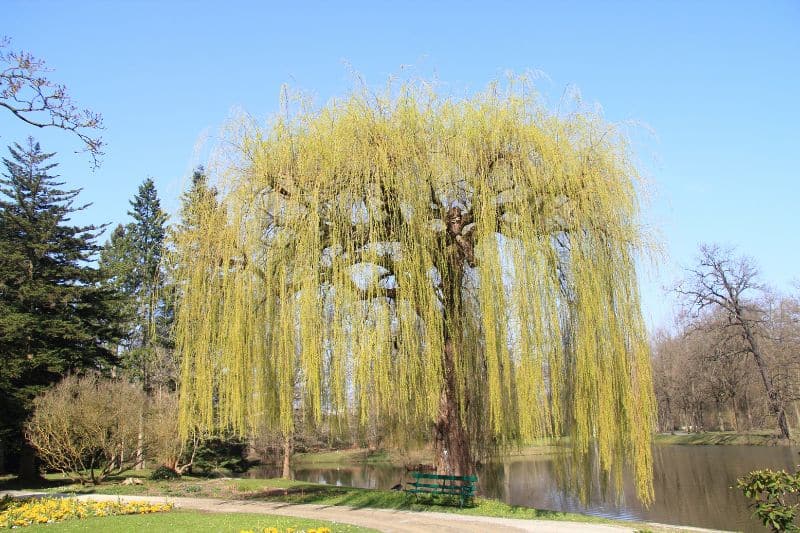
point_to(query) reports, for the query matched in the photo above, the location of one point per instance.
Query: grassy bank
(189, 521)
(309, 493)
(753, 438)
(287, 491)
(355, 456)
(361, 456)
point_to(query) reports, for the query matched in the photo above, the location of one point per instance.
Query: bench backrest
(425, 475)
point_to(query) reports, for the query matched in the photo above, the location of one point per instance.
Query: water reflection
(694, 485)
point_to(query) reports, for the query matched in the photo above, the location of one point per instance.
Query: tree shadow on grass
(402, 501)
(14, 483)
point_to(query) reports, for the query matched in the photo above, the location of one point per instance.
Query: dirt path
(386, 520)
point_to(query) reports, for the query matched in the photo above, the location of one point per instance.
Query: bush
(774, 496)
(164, 473)
(217, 453)
(87, 427)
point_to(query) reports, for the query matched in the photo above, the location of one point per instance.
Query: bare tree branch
(31, 97)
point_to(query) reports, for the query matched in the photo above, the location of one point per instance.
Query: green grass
(311, 493)
(281, 490)
(191, 521)
(339, 457)
(752, 438)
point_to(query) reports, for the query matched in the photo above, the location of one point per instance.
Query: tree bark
(287, 457)
(734, 417)
(451, 444)
(775, 405)
(748, 411)
(140, 444)
(797, 412)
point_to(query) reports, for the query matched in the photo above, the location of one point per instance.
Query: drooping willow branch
(381, 250)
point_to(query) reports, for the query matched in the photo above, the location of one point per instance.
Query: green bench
(461, 487)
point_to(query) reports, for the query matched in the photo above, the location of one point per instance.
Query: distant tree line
(732, 362)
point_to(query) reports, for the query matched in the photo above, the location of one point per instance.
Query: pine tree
(117, 265)
(117, 261)
(55, 314)
(132, 259)
(196, 202)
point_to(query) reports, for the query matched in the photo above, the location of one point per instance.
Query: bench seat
(463, 487)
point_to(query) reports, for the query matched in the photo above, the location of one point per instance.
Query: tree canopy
(462, 267)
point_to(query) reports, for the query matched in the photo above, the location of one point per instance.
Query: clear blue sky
(717, 82)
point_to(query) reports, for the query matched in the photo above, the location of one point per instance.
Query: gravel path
(386, 520)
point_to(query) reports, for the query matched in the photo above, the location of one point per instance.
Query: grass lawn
(189, 521)
(282, 490)
(297, 492)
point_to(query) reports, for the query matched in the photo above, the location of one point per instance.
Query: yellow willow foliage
(352, 243)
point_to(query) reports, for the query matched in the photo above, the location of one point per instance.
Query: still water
(694, 485)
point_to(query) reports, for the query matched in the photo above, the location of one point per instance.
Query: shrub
(217, 453)
(164, 473)
(774, 497)
(87, 427)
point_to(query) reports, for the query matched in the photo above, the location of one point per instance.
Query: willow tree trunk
(451, 444)
(287, 457)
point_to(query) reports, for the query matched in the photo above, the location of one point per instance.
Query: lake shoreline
(723, 438)
(523, 485)
(306, 500)
(361, 456)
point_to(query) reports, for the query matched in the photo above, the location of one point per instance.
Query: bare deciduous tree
(87, 427)
(162, 428)
(33, 98)
(724, 282)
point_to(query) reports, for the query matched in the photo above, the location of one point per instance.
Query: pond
(694, 485)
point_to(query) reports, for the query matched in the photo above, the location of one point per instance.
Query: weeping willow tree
(464, 268)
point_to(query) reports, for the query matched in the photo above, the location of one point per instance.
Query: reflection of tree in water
(692, 484)
(363, 476)
(696, 484)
